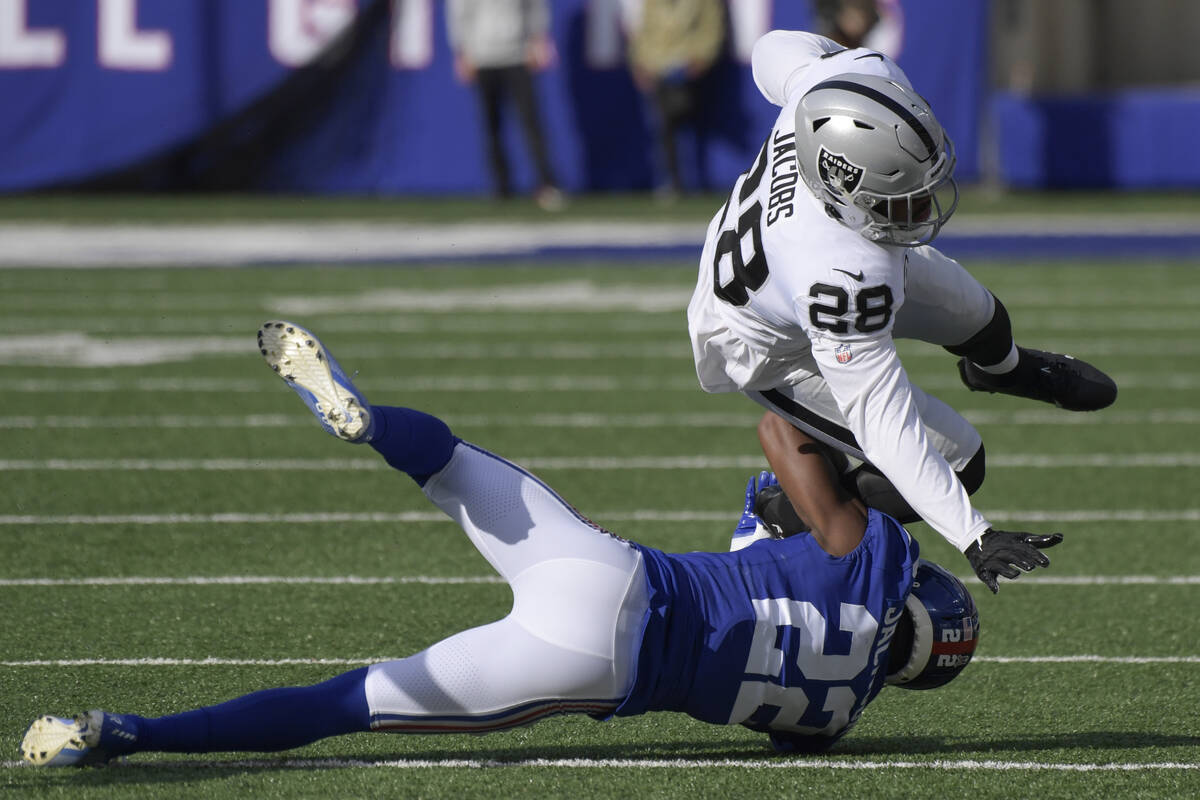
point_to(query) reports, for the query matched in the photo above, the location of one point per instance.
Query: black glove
(1001, 552)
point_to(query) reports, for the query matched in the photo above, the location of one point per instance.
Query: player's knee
(876, 491)
(992, 343)
(771, 428)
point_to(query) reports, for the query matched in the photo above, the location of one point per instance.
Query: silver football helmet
(872, 152)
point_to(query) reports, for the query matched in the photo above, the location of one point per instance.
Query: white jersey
(785, 292)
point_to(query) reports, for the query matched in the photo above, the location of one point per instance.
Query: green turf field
(239, 547)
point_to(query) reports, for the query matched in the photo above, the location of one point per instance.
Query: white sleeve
(874, 394)
(780, 57)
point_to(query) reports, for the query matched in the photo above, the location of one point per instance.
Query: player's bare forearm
(807, 477)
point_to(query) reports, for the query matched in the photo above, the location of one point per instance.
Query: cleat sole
(299, 358)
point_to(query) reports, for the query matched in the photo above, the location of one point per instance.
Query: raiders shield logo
(838, 174)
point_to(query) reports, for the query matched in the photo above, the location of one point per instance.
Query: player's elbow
(772, 60)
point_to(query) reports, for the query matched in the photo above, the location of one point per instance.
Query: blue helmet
(943, 626)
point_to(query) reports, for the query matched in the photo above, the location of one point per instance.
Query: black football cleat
(1063, 381)
(777, 513)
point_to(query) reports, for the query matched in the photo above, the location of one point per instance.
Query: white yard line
(595, 463)
(1088, 659)
(532, 384)
(566, 321)
(1100, 460)
(211, 661)
(256, 580)
(796, 764)
(71, 348)
(454, 580)
(214, 661)
(607, 517)
(1151, 416)
(579, 420)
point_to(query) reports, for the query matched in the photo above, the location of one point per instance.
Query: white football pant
(568, 645)
(943, 305)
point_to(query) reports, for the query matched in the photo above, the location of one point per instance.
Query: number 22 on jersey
(758, 694)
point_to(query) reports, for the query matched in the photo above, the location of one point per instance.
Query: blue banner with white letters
(203, 93)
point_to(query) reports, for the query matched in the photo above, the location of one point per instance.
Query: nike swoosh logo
(858, 276)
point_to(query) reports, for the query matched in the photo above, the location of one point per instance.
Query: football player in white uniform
(819, 259)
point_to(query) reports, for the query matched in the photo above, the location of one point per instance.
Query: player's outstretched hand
(747, 531)
(755, 485)
(1000, 553)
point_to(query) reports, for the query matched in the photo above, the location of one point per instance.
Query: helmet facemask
(913, 218)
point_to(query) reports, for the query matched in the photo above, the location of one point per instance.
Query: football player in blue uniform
(789, 636)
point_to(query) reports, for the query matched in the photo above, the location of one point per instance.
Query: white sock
(1007, 365)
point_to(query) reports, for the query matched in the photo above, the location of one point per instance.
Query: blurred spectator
(498, 45)
(673, 47)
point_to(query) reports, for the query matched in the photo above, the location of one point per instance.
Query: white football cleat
(311, 370)
(93, 737)
(55, 742)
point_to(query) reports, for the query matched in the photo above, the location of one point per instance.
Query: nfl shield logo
(843, 354)
(839, 175)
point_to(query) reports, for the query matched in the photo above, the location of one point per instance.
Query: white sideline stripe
(1155, 416)
(1030, 461)
(487, 383)
(806, 764)
(213, 661)
(640, 515)
(435, 580)
(176, 245)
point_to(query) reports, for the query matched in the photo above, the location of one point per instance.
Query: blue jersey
(780, 636)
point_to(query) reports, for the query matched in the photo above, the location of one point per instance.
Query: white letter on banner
(123, 46)
(412, 34)
(298, 30)
(22, 48)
